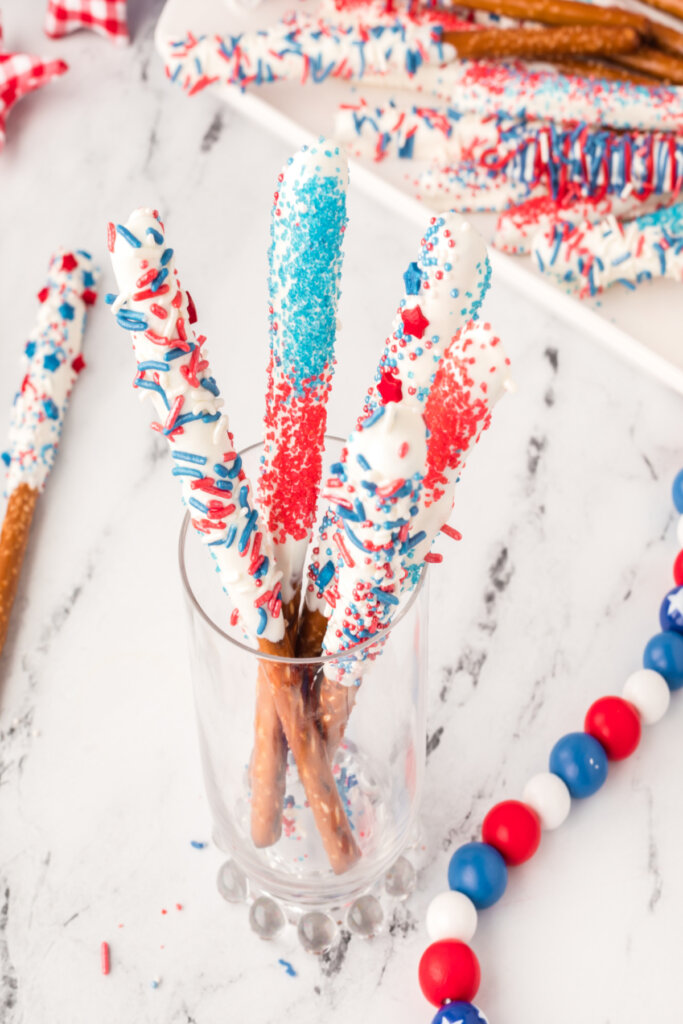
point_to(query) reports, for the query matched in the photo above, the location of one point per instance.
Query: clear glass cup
(378, 767)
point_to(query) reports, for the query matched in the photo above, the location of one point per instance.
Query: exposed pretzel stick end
(13, 542)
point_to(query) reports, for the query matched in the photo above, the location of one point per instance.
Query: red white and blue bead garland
(449, 971)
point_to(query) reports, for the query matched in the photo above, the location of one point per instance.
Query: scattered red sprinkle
(451, 532)
(104, 957)
(111, 236)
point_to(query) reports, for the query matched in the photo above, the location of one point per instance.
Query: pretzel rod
(469, 188)
(52, 362)
(307, 225)
(562, 12)
(305, 50)
(666, 38)
(542, 43)
(310, 754)
(469, 381)
(603, 69)
(430, 307)
(173, 370)
(488, 88)
(664, 66)
(518, 226)
(374, 490)
(591, 257)
(268, 765)
(674, 7)
(442, 290)
(506, 160)
(14, 536)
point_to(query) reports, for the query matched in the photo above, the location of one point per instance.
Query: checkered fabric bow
(21, 73)
(108, 17)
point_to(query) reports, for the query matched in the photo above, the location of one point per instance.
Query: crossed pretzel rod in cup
(439, 374)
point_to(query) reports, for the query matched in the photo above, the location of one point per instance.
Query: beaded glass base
(320, 929)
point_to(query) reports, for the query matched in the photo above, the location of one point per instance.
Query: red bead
(514, 829)
(615, 724)
(678, 569)
(449, 970)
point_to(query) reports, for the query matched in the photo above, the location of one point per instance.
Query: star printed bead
(106, 17)
(21, 73)
(414, 322)
(671, 612)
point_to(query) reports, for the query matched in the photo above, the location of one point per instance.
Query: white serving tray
(644, 326)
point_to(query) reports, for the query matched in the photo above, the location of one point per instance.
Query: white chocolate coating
(590, 257)
(308, 220)
(52, 361)
(375, 498)
(519, 225)
(173, 369)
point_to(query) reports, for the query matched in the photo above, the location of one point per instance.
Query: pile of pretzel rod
(624, 45)
(312, 563)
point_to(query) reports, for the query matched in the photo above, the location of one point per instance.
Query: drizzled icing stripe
(303, 49)
(52, 361)
(305, 258)
(442, 290)
(488, 88)
(589, 258)
(470, 379)
(375, 490)
(160, 315)
(599, 161)
(517, 226)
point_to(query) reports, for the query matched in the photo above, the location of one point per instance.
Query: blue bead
(478, 871)
(664, 654)
(459, 1013)
(671, 612)
(677, 491)
(581, 763)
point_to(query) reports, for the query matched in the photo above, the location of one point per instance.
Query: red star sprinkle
(69, 262)
(21, 73)
(107, 17)
(414, 321)
(390, 389)
(78, 363)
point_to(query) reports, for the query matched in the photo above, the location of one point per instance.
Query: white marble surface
(545, 605)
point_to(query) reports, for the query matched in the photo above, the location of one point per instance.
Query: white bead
(679, 531)
(649, 693)
(451, 915)
(547, 794)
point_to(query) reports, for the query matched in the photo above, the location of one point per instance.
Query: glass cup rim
(323, 659)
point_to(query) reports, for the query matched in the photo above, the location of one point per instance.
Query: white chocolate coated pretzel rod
(52, 362)
(590, 257)
(172, 367)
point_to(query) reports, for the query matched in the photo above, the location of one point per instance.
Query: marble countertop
(569, 537)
